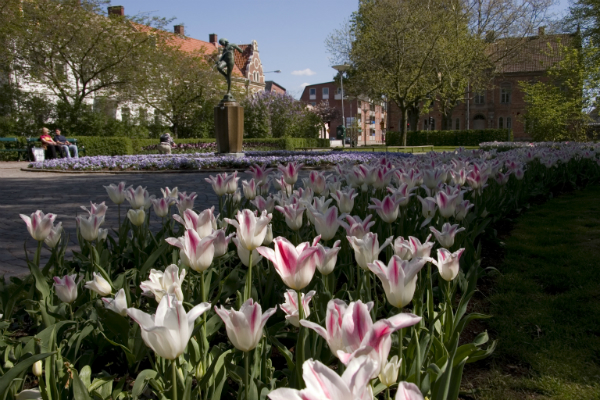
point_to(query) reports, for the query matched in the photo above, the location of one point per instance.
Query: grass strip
(546, 305)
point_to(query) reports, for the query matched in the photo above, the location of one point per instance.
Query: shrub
(105, 146)
(449, 138)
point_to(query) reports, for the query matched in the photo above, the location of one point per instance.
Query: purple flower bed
(208, 160)
(211, 147)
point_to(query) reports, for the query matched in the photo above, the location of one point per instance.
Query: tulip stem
(247, 364)
(38, 253)
(388, 397)
(300, 344)
(204, 339)
(400, 349)
(174, 379)
(119, 208)
(248, 291)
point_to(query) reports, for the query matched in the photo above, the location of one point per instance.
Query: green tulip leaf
(13, 373)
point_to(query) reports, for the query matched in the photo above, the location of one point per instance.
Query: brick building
(271, 86)
(502, 105)
(364, 117)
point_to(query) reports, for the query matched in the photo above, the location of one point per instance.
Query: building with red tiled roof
(502, 105)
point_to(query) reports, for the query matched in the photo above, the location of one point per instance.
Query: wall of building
(374, 132)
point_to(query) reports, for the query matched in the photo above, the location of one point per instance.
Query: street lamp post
(341, 69)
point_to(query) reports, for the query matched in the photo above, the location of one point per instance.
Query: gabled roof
(191, 45)
(242, 60)
(535, 54)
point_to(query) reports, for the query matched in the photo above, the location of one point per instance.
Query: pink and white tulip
(317, 182)
(116, 192)
(332, 333)
(244, 254)
(290, 306)
(160, 284)
(290, 172)
(408, 391)
(295, 265)
(446, 237)
(66, 288)
(388, 209)
(245, 327)
(88, 227)
(196, 252)
(345, 200)
(54, 236)
(170, 194)
(249, 189)
(293, 215)
(418, 249)
(263, 204)
(221, 242)
(96, 209)
(118, 304)
(367, 249)
(185, 201)
(357, 227)
(323, 383)
(446, 204)
(402, 248)
(169, 330)
(327, 224)
(138, 197)
(260, 173)
(251, 229)
(161, 206)
(399, 279)
(201, 223)
(328, 257)
(462, 209)
(39, 225)
(448, 263)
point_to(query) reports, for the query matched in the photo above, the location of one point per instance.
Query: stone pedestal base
(229, 127)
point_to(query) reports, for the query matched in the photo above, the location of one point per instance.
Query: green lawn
(546, 306)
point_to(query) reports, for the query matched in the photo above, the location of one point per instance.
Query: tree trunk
(404, 122)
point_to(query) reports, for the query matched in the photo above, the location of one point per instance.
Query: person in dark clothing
(65, 146)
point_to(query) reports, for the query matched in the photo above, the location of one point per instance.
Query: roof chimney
(541, 31)
(213, 38)
(179, 29)
(116, 10)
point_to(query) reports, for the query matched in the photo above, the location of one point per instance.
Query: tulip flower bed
(352, 285)
(154, 162)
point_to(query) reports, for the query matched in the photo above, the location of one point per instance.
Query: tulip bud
(221, 242)
(118, 304)
(98, 285)
(54, 236)
(389, 372)
(102, 234)
(137, 217)
(161, 206)
(37, 368)
(249, 189)
(269, 236)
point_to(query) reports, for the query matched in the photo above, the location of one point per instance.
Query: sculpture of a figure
(227, 60)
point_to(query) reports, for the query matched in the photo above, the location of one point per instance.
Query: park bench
(32, 141)
(12, 145)
(412, 148)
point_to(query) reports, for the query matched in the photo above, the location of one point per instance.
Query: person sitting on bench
(48, 143)
(65, 146)
(166, 143)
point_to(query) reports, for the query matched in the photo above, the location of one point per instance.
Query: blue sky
(290, 33)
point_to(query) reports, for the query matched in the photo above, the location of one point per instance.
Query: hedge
(119, 145)
(449, 138)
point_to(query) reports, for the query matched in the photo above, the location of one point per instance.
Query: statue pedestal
(229, 127)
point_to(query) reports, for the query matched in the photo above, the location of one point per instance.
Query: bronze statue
(227, 60)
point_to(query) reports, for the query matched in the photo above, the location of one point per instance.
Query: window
(500, 123)
(126, 115)
(325, 93)
(479, 98)
(424, 125)
(457, 125)
(505, 94)
(508, 123)
(313, 93)
(143, 115)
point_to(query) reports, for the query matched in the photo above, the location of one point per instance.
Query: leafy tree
(556, 106)
(181, 87)
(270, 114)
(77, 53)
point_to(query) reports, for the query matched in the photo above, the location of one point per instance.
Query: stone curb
(170, 171)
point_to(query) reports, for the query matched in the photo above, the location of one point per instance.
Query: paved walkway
(62, 194)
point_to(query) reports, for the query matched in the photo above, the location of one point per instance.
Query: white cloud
(304, 85)
(304, 72)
